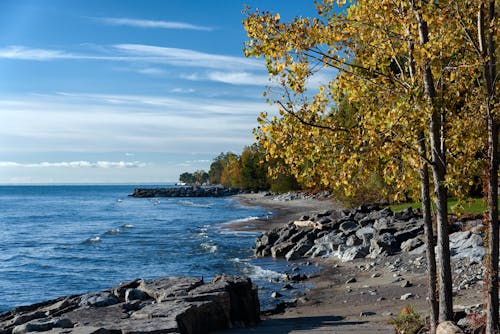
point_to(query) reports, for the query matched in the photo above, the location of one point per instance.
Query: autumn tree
(399, 61)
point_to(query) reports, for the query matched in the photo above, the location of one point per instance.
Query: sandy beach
(333, 305)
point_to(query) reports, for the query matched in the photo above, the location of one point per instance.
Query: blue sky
(125, 91)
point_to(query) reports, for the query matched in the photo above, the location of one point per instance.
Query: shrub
(408, 321)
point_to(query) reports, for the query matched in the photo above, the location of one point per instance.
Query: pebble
(351, 280)
(407, 296)
(376, 275)
(406, 284)
(276, 294)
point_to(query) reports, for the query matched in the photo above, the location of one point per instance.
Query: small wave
(112, 232)
(243, 220)
(92, 240)
(196, 205)
(127, 226)
(259, 273)
(209, 247)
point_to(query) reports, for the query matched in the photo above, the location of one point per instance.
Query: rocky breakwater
(185, 192)
(167, 305)
(367, 231)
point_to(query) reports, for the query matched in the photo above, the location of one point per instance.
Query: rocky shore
(367, 231)
(185, 192)
(167, 305)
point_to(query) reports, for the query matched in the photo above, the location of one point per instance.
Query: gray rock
(299, 250)
(349, 227)
(135, 294)
(411, 244)
(353, 240)
(99, 299)
(280, 249)
(407, 296)
(351, 253)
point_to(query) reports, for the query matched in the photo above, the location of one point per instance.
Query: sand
(332, 306)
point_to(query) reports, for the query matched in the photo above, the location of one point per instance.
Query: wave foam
(92, 240)
(209, 247)
(128, 226)
(112, 232)
(257, 272)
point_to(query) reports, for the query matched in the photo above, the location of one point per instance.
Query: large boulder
(180, 305)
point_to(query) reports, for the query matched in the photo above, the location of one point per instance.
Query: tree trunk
(429, 236)
(438, 173)
(487, 48)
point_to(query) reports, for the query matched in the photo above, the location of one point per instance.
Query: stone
(349, 227)
(406, 284)
(351, 280)
(276, 294)
(135, 294)
(353, 240)
(366, 313)
(181, 305)
(375, 275)
(405, 214)
(448, 327)
(351, 253)
(281, 249)
(411, 244)
(299, 250)
(99, 299)
(407, 296)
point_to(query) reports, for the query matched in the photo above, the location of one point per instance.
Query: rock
(349, 227)
(276, 294)
(410, 233)
(353, 240)
(405, 214)
(448, 327)
(375, 275)
(210, 191)
(366, 313)
(351, 280)
(99, 299)
(182, 305)
(406, 284)
(299, 250)
(287, 286)
(365, 234)
(411, 244)
(407, 296)
(383, 244)
(350, 253)
(135, 294)
(281, 249)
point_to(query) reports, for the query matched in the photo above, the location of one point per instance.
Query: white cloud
(75, 164)
(152, 24)
(239, 78)
(183, 90)
(93, 123)
(187, 57)
(139, 53)
(26, 53)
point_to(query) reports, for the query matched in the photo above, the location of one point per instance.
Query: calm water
(61, 240)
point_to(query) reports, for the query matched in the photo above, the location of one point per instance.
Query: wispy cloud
(187, 57)
(232, 78)
(26, 53)
(139, 53)
(140, 23)
(75, 164)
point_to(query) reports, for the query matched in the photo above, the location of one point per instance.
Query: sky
(123, 91)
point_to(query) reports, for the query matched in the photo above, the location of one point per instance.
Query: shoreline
(359, 296)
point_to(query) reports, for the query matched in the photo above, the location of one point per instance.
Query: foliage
(408, 321)
(250, 171)
(198, 177)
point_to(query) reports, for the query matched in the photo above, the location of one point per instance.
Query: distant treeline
(246, 171)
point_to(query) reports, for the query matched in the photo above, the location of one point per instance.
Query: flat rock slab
(168, 305)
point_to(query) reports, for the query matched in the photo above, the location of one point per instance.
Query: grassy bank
(468, 206)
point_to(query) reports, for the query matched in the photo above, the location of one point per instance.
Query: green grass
(470, 206)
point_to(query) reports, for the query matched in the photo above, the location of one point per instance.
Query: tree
(187, 178)
(400, 61)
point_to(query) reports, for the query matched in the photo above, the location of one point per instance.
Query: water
(63, 240)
